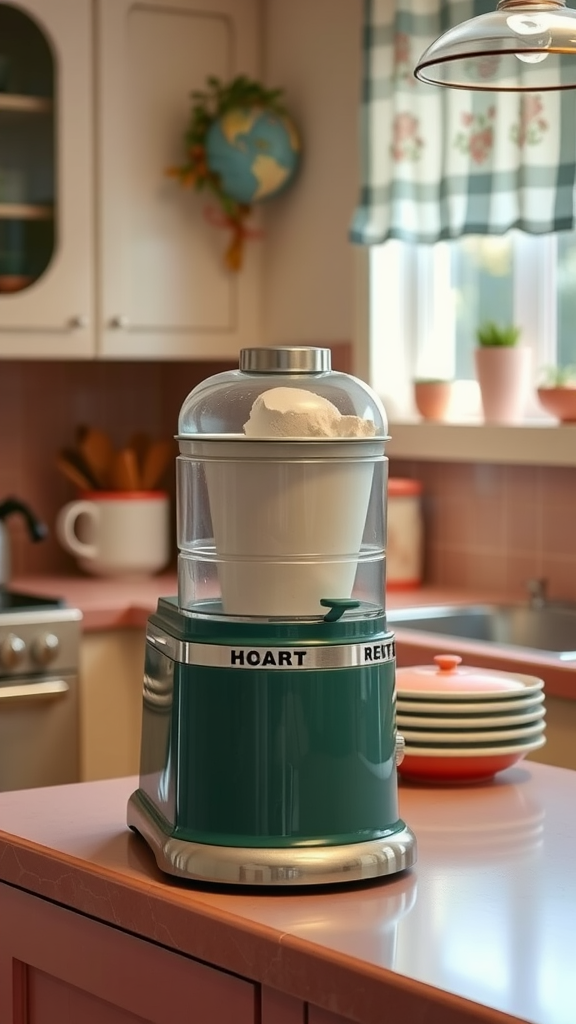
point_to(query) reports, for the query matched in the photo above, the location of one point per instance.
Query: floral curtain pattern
(438, 163)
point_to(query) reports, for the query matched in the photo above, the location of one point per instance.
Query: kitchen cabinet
(56, 964)
(59, 965)
(110, 680)
(164, 290)
(46, 164)
(136, 271)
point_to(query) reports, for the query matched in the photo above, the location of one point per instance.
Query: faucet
(36, 529)
(537, 592)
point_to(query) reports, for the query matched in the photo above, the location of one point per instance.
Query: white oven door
(38, 732)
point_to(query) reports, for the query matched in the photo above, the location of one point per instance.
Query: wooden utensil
(97, 451)
(80, 432)
(124, 475)
(155, 463)
(140, 443)
(72, 472)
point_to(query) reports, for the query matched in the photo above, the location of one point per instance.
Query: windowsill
(533, 444)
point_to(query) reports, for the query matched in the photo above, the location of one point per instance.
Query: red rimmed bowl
(461, 764)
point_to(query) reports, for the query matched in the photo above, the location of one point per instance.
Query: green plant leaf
(491, 335)
(558, 377)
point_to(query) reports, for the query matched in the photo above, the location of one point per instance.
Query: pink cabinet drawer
(318, 1016)
(57, 965)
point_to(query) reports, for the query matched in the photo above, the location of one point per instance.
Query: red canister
(405, 534)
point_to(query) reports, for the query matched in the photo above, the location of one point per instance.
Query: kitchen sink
(550, 629)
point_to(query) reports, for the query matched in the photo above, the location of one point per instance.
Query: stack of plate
(465, 724)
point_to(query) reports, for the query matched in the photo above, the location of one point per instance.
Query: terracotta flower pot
(503, 374)
(432, 398)
(559, 402)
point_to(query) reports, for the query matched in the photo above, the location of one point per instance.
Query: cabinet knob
(119, 322)
(79, 321)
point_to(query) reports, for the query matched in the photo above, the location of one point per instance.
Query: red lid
(399, 487)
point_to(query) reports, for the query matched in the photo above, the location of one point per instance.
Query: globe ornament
(243, 147)
(254, 152)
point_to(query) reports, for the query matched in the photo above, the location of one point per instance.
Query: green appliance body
(269, 743)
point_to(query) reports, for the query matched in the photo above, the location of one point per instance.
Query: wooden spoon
(124, 475)
(140, 442)
(73, 472)
(97, 451)
(156, 460)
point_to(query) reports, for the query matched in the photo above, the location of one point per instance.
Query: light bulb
(531, 58)
(533, 30)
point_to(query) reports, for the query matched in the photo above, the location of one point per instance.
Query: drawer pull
(51, 688)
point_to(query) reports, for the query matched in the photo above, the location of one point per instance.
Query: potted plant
(557, 393)
(432, 397)
(502, 371)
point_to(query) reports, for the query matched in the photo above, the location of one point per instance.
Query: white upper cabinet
(101, 253)
(164, 288)
(46, 179)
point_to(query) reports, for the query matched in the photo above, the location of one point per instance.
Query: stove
(39, 655)
(13, 600)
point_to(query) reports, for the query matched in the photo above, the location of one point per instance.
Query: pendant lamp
(523, 46)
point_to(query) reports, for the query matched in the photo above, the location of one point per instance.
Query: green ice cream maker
(269, 743)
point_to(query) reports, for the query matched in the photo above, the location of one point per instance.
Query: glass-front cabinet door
(46, 179)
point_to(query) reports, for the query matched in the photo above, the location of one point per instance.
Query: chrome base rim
(322, 865)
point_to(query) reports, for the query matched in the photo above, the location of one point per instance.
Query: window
(566, 287)
(427, 301)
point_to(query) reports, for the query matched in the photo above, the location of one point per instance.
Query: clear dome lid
(283, 392)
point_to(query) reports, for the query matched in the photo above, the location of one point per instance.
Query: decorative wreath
(209, 107)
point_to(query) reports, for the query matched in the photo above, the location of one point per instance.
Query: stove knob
(45, 648)
(12, 650)
(400, 746)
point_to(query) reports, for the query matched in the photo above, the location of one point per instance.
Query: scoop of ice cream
(295, 412)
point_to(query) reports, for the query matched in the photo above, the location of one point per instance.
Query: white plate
(478, 721)
(489, 751)
(471, 707)
(520, 686)
(457, 736)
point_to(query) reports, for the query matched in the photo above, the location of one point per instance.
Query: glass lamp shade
(523, 46)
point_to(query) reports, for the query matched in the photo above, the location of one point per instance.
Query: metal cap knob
(45, 648)
(12, 650)
(286, 359)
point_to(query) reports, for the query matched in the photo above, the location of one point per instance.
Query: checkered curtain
(438, 163)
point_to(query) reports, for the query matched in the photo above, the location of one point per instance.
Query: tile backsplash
(41, 404)
(494, 527)
(486, 526)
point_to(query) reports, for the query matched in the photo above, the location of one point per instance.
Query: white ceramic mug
(117, 533)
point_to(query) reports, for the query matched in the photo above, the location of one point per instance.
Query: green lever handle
(337, 606)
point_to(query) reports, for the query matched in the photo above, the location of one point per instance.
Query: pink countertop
(104, 603)
(483, 929)
(111, 604)
(108, 604)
